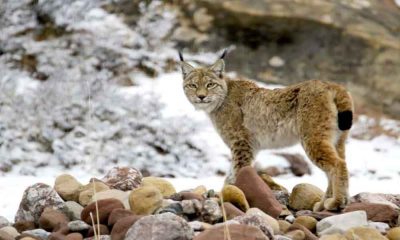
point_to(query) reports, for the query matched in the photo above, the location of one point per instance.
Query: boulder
(165, 187)
(304, 196)
(257, 193)
(35, 199)
(122, 226)
(123, 178)
(341, 223)
(145, 200)
(67, 187)
(166, 226)
(236, 232)
(376, 212)
(234, 195)
(104, 207)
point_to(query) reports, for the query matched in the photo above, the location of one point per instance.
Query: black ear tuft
(180, 56)
(224, 53)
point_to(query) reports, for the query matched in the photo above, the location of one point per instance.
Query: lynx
(249, 118)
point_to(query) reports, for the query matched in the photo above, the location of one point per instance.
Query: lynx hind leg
(324, 155)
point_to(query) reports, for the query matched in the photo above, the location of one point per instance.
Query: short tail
(344, 104)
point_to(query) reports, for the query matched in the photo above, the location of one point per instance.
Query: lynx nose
(201, 97)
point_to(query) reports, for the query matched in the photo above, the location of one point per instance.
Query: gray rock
(35, 199)
(39, 233)
(73, 210)
(392, 200)
(380, 226)
(175, 208)
(4, 222)
(166, 226)
(123, 178)
(77, 226)
(211, 212)
(341, 223)
(257, 221)
(191, 207)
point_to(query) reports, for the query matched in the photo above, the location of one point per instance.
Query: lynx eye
(192, 85)
(211, 85)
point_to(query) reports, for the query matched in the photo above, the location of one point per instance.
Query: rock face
(35, 199)
(166, 226)
(343, 41)
(123, 178)
(257, 193)
(236, 231)
(304, 196)
(341, 223)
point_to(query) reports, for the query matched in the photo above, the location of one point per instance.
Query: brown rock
(51, 219)
(117, 214)
(316, 215)
(393, 234)
(22, 226)
(375, 212)
(307, 234)
(57, 236)
(236, 232)
(392, 200)
(86, 192)
(185, 195)
(304, 196)
(122, 226)
(103, 230)
(74, 236)
(257, 193)
(296, 235)
(232, 211)
(123, 178)
(307, 221)
(105, 207)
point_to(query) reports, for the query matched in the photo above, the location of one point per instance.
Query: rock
(175, 208)
(316, 215)
(105, 207)
(392, 200)
(199, 226)
(380, 226)
(35, 199)
(231, 211)
(86, 192)
(309, 222)
(234, 195)
(122, 226)
(211, 212)
(272, 222)
(280, 237)
(113, 193)
(78, 226)
(341, 223)
(117, 214)
(285, 212)
(308, 235)
(257, 221)
(304, 196)
(282, 197)
(4, 222)
(51, 219)
(103, 230)
(123, 178)
(364, 233)
(187, 196)
(67, 187)
(38, 233)
(257, 193)
(74, 236)
(165, 187)
(101, 237)
(375, 212)
(298, 166)
(236, 232)
(200, 190)
(336, 236)
(393, 234)
(73, 210)
(8, 232)
(166, 226)
(296, 235)
(290, 218)
(145, 200)
(24, 226)
(191, 207)
(283, 226)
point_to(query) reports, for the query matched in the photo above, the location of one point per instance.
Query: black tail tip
(345, 120)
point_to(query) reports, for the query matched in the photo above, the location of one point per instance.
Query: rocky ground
(126, 205)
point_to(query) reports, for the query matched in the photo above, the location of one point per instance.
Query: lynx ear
(186, 67)
(218, 67)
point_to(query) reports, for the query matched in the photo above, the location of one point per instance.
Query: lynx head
(204, 87)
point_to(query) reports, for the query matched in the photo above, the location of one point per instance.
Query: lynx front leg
(242, 156)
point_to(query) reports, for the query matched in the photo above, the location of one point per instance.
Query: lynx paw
(332, 204)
